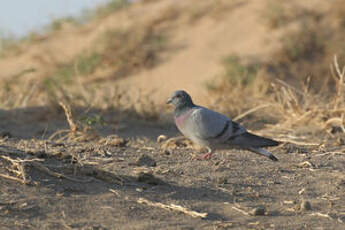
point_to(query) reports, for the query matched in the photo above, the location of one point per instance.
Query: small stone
(5, 134)
(41, 154)
(340, 141)
(148, 178)
(58, 144)
(145, 160)
(167, 152)
(66, 156)
(161, 138)
(114, 141)
(222, 180)
(305, 205)
(301, 191)
(258, 211)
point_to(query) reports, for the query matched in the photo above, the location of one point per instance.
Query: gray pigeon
(213, 130)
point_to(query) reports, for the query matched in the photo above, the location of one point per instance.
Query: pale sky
(18, 17)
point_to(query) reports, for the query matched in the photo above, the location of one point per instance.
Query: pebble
(305, 205)
(145, 160)
(258, 211)
(161, 138)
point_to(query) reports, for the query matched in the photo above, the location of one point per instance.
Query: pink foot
(207, 156)
(204, 157)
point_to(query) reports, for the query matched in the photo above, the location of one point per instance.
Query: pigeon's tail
(263, 152)
(252, 140)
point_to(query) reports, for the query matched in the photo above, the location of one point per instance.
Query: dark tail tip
(276, 143)
(273, 158)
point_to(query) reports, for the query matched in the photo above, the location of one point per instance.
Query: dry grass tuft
(301, 107)
(281, 106)
(305, 95)
(276, 14)
(308, 46)
(78, 131)
(17, 166)
(68, 113)
(239, 79)
(172, 207)
(128, 51)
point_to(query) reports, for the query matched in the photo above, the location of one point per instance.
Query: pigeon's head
(180, 98)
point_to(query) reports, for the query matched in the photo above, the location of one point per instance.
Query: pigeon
(214, 130)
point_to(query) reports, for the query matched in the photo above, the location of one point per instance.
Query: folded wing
(208, 124)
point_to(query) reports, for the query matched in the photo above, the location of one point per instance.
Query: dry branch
(172, 207)
(44, 169)
(68, 113)
(252, 111)
(115, 192)
(97, 173)
(321, 215)
(18, 169)
(241, 211)
(15, 161)
(296, 142)
(338, 76)
(14, 178)
(20, 166)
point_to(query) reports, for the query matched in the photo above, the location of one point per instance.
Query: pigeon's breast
(182, 122)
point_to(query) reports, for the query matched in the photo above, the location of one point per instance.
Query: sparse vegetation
(304, 87)
(238, 74)
(124, 52)
(6, 42)
(110, 7)
(132, 50)
(290, 107)
(238, 79)
(308, 49)
(78, 128)
(276, 14)
(58, 24)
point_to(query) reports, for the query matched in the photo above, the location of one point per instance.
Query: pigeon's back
(208, 127)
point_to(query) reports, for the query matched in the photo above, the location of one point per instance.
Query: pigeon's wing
(251, 140)
(207, 124)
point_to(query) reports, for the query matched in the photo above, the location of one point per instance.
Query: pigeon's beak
(169, 101)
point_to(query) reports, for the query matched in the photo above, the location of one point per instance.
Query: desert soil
(101, 177)
(96, 179)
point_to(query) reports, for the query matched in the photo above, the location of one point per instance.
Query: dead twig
(68, 113)
(321, 215)
(100, 174)
(241, 211)
(19, 168)
(296, 142)
(115, 192)
(14, 178)
(306, 164)
(20, 160)
(44, 169)
(173, 207)
(289, 86)
(59, 132)
(242, 115)
(338, 76)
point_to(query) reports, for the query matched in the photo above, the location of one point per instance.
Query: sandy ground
(97, 180)
(101, 179)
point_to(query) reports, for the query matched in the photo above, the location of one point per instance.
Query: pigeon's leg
(208, 155)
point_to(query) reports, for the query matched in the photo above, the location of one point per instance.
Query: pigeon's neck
(183, 108)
